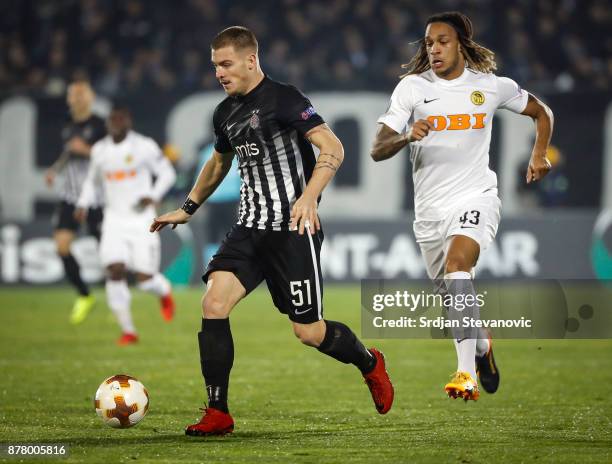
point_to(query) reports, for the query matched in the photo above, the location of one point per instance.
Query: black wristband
(190, 206)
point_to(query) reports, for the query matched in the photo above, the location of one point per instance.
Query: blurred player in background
(443, 108)
(78, 135)
(124, 164)
(270, 127)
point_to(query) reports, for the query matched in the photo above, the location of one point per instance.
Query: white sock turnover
(482, 345)
(158, 285)
(119, 299)
(465, 346)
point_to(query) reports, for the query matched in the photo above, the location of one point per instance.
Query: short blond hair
(239, 37)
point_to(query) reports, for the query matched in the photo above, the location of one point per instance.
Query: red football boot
(167, 307)
(213, 422)
(127, 339)
(379, 384)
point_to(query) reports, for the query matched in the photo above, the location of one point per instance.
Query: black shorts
(287, 261)
(64, 219)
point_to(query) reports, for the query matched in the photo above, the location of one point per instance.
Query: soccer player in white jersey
(124, 163)
(443, 110)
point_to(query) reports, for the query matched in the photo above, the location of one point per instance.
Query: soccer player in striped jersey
(443, 110)
(78, 135)
(270, 127)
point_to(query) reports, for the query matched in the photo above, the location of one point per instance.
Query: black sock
(342, 344)
(73, 273)
(216, 360)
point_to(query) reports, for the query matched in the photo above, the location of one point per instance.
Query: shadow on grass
(181, 438)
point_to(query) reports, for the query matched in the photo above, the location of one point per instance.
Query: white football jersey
(452, 162)
(126, 171)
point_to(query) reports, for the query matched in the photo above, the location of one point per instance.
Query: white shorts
(130, 243)
(476, 217)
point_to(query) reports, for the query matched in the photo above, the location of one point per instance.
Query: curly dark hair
(476, 56)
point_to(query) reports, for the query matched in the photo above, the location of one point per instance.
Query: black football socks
(342, 344)
(216, 360)
(73, 273)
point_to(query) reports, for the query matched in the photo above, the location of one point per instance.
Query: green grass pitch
(291, 403)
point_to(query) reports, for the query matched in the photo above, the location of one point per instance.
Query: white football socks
(482, 345)
(461, 283)
(158, 285)
(119, 299)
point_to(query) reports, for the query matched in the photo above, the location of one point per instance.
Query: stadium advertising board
(554, 245)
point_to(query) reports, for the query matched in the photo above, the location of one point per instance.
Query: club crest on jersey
(477, 97)
(254, 122)
(129, 158)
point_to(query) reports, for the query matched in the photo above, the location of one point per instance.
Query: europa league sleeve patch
(307, 113)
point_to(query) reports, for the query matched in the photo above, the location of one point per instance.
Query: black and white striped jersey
(265, 130)
(75, 171)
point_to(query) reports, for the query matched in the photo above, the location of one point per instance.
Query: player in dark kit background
(78, 135)
(270, 127)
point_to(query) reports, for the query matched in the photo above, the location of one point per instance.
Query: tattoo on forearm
(325, 164)
(328, 160)
(336, 157)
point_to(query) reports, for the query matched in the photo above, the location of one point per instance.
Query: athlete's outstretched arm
(165, 176)
(388, 142)
(88, 191)
(77, 146)
(330, 158)
(544, 120)
(55, 168)
(211, 175)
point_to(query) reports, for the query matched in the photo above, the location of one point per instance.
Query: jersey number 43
(471, 217)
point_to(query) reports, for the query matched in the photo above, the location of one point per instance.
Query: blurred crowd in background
(127, 46)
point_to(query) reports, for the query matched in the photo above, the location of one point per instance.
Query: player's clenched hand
(143, 203)
(539, 166)
(304, 212)
(50, 175)
(80, 214)
(176, 217)
(419, 130)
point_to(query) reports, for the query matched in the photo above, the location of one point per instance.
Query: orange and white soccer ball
(121, 401)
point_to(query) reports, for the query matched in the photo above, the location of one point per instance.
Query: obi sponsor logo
(458, 121)
(115, 176)
(308, 112)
